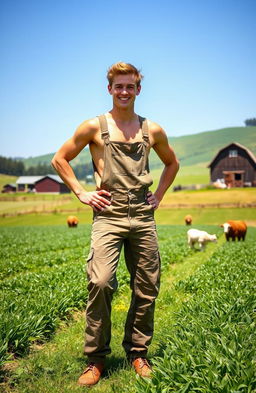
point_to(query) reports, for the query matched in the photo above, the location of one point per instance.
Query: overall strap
(144, 127)
(104, 128)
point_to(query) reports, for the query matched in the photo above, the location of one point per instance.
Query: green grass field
(187, 175)
(204, 327)
(164, 216)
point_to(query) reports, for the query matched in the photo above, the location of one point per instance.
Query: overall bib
(129, 222)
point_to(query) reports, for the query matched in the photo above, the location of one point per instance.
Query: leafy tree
(83, 170)
(250, 122)
(40, 170)
(9, 166)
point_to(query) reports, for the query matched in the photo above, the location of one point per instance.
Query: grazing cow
(234, 229)
(200, 237)
(72, 221)
(188, 219)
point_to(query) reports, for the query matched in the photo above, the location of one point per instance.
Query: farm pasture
(43, 278)
(43, 287)
(204, 321)
(211, 346)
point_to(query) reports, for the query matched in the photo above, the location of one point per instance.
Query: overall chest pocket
(125, 164)
(131, 159)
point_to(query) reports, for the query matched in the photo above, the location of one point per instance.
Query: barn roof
(53, 177)
(10, 185)
(35, 179)
(252, 156)
(28, 179)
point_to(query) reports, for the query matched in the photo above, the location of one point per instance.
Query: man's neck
(125, 116)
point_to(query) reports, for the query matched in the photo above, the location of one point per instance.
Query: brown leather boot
(142, 367)
(91, 374)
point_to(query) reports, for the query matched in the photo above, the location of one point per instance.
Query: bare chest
(130, 133)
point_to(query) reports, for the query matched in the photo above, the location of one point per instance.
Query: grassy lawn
(7, 179)
(210, 216)
(194, 174)
(28, 205)
(234, 196)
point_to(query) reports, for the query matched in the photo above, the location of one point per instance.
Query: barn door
(238, 179)
(234, 179)
(229, 179)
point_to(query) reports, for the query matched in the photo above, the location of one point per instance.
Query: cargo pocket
(89, 263)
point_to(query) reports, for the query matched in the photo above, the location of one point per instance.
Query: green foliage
(16, 167)
(250, 122)
(10, 166)
(83, 170)
(30, 248)
(39, 170)
(44, 280)
(211, 347)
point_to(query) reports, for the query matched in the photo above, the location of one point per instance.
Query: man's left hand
(152, 200)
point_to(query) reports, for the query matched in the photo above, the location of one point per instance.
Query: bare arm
(71, 148)
(171, 165)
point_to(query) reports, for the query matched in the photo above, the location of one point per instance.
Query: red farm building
(42, 184)
(236, 165)
(9, 188)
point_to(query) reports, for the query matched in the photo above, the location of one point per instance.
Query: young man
(123, 208)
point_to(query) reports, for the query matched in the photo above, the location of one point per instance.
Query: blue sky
(197, 57)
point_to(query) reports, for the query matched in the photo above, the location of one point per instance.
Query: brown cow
(72, 221)
(188, 219)
(235, 229)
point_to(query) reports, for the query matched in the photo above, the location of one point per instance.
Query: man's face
(124, 90)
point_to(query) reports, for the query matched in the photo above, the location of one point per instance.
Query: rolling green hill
(190, 149)
(202, 147)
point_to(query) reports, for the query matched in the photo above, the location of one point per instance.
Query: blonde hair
(121, 68)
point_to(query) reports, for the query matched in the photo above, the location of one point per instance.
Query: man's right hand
(95, 199)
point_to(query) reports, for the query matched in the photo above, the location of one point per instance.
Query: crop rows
(211, 347)
(27, 248)
(43, 279)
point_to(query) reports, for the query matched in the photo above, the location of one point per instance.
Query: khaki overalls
(129, 222)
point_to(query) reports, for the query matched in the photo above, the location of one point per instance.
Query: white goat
(202, 237)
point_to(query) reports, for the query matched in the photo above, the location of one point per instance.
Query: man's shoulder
(154, 128)
(156, 133)
(89, 125)
(92, 123)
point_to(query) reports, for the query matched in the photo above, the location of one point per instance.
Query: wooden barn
(51, 183)
(42, 184)
(27, 183)
(236, 165)
(9, 188)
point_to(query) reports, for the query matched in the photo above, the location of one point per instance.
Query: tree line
(250, 122)
(10, 166)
